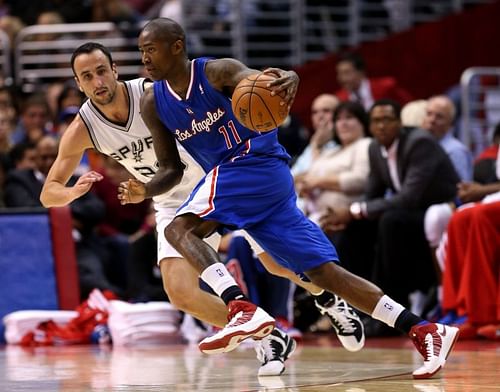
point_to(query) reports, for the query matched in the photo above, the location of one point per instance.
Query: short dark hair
(16, 153)
(354, 58)
(167, 30)
(87, 48)
(396, 107)
(355, 109)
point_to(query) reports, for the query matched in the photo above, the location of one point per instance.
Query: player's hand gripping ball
(255, 107)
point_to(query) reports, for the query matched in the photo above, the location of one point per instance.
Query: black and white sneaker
(272, 352)
(345, 321)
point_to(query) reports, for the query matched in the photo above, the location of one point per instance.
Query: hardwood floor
(319, 364)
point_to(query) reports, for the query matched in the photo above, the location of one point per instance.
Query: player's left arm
(224, 75)
(170, 169)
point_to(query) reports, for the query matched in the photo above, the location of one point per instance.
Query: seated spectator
(437, 216)
(322, 109)
(8, 105)
(438, 120)
(338, 176)
(471, 280)
(356, 86)
(23, 156)
(32, 125)
(5, 132)
(409, 171)
(23, 186)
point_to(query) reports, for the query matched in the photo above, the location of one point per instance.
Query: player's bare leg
(180, 281)
(185, 233)
(276, 269)
(433, 341)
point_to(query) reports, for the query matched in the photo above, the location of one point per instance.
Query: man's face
(322, 111)
(28, 161)
(46, 153)
(35, 117)
(156, 55)
(96, 77)
(348, 76)
(438, 117)
(384, 125)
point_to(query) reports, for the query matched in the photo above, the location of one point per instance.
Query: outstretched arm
(170, 169)
(73, 143)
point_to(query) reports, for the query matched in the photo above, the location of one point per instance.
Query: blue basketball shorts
(256, 193)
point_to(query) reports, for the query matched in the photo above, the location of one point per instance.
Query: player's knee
(173, 232)
(435, 222)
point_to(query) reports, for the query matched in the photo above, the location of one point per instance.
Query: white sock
(387, 310)
(218, 278)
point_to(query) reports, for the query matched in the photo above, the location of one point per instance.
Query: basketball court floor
(319, 364)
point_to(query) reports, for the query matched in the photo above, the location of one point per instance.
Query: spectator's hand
(322, 133)
(335, 219)
(288, 81)
(84, 183)
(303, 184)
(131, 191)
(309, 182)
(470, 191)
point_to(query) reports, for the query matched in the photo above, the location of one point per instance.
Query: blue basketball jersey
(205, 125)
(248, 183)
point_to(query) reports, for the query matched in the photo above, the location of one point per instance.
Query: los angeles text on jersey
(200, 126)
(134, 150)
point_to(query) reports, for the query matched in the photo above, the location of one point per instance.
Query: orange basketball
(255, 107)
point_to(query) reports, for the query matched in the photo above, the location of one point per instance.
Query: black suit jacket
(22, 189)
(426, 174)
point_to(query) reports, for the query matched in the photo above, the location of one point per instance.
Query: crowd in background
(377, 168)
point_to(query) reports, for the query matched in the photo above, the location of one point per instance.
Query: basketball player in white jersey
(110, 122)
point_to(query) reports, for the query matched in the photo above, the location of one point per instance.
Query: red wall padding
(63, 249)
(426, 60)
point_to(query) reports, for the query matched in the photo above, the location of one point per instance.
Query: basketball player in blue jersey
(248, 185)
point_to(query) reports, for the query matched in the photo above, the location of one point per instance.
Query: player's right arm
(73, 144)
(171, 168)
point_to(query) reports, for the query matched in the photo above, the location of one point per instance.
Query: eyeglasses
(383, 120)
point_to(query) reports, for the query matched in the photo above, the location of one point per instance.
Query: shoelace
(429, 346)
(269, 348)
(340, 312)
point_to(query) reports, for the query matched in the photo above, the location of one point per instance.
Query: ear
(78, 84)
(115, 70)
(177, 47)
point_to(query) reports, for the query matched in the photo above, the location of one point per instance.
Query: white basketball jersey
(131, 145)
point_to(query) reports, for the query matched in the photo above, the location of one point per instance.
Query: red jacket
(381, 88)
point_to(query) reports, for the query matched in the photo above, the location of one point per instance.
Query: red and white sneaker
(245, 320)
(434, 342)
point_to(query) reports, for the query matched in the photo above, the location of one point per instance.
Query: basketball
(255, 107)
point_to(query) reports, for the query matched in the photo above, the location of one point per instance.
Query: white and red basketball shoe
(246, 320)
(434, 342)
